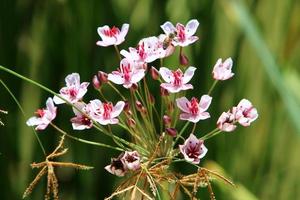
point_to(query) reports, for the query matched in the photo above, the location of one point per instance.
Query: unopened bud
(171, 107)
(164, 92)
(96, 82)
(139, 105)
(154, 73)
(167, 120)
(131, 122)
(144, 111)
(102, 76)
(183, 59)
(151, 99)
(171, 131)
(134, 87)
(126, 106)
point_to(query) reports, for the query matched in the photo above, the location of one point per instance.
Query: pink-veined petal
(72, 79)
(168, 27)
(118, 108)
(182, 104)
(116, 78)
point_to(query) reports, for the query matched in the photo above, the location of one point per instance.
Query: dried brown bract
(47, 167)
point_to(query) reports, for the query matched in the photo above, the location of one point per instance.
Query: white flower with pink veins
(112, 36)
(148, 50)
(245, 112)
(194, 110)
(193, 149)
(176, 80)
(74, 90)
(222, 70)
(127, 74)
(43, 116)
(81, 121)
(183, 35)
(105, 113)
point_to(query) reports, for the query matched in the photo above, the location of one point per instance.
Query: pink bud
(102, 76)
(167, 120)
(131, 122)
(144, 111)
(171, 131)
(164, 92)
(96, 82)
(126, 106)
(139, 105)
(183, 59)
(134, 87)
(154, 73)
(151, 99)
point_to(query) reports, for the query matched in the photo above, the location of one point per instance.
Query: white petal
(116, 78)
(191, 27)
(204, 103)
(58, 100)
(72, 79)
(124, 31)
(137, 76)
(188, 74)
(33, 121)
(182, 104)
(166, 74)
(118, 108)
(168, 27)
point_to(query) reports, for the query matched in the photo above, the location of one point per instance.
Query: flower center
(107, 110)
(246, 112)
(141, 51)
(177, 77)
(181, 33)
(126, 69)
(73, 92)
(111, 32)
(193, 151)
(194, 106)
(40, 112)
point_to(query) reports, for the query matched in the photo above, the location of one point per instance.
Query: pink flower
(222, 71)
(176, 80)
(112, 36)
(127, 74)
(194, 110)
(226, 121)
(74, 91)
(131, 160)
(148, 50)
(184, 35)
(43, 116)
(105, 113)
(193, 149)
(81, 121)
(245, 112)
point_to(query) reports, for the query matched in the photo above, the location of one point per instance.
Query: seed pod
(183, 59)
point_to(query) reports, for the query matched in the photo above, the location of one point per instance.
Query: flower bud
(183, 59)
(96, 82)
(126, 106)
(139, 106)
(167, 120)
(151, 99)
(102, 76)
(131, 122)
(144, 111)
(171, 131)
(164, 92)
(154, 73)
(134, 87)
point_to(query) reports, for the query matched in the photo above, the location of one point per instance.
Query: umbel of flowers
(150, 118)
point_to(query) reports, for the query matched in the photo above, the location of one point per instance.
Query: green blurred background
(46, 40)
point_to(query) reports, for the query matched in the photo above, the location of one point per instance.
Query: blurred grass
(45, 40)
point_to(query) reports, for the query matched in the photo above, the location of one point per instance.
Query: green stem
(118, 52)
(180, 133)
(211, 134)
(113, 87)
(22, 111)
(85, 141)
(212, 87)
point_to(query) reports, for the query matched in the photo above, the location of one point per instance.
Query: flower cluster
(153, 134)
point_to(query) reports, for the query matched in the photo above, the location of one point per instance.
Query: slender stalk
(180, 133)
(194, 127)
(212, 87)
(23, 113)
(113, 87)
(85, 141)
(118, 52)
(211, 134)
